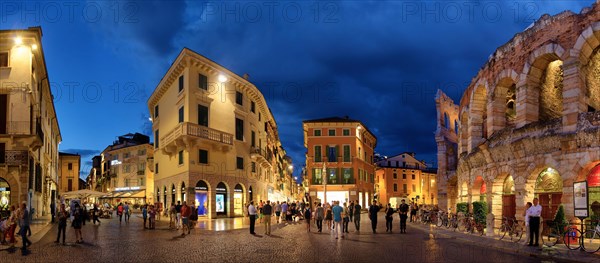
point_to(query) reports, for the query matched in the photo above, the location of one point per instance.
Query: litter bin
(572, 237)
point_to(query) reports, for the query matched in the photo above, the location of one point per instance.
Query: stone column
(573, 94)
(527, 101)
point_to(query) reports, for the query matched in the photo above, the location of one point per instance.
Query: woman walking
(77, 222)
(62, 224)
(328, 216)
(307, 216)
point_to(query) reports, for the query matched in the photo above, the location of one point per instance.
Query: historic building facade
(404, 177)
(216, 141)
(339, 160)
(68, 177)
(29, 131)
(528, 125)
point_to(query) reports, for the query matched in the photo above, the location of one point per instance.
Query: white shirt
(251, 210)
(534, 211)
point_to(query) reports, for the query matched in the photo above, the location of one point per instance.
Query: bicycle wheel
(572, 238)
(516, 233)
(503, 231)
(591, 241)
(551, 239)
(440, 222)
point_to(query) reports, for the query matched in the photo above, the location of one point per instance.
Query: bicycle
(590, 240)
(453, 222)
(512, 228)
(471, 225)
(442, 219)
(553, 235)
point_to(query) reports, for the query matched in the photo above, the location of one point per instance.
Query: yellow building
(216, 141)
(339, 160)
(404, 177)
(125, 174)
(68, 177)
(29, 132)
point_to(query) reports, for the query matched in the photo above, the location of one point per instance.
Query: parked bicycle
(590, 240)
(511, 228)
(470, 225)
(554, 234)
(442, 219)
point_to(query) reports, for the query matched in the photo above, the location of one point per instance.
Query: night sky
(378, 62)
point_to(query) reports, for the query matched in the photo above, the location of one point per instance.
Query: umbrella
(83, 193)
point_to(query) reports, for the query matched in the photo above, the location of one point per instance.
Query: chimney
(246, 76)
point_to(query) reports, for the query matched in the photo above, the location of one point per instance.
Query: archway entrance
(183, 195)
(221, 199)
(548, 189)
(479, 190)
(238, 200)
(173, 194)
(165, 195)
(4, 194)
(593, 180)
(509, 201)
(201, 197)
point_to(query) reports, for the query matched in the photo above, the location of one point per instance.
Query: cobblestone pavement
(114, 242)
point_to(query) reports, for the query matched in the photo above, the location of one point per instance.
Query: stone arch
(15, 188)
(477, 120)
(478, 189)
(586, 43)
(202, 199)
(549, 199)
(503, 107)
(223, 207)
(540, 89)
(586, 50)
(239, 199)
(464, 192)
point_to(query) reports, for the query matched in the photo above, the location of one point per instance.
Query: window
(414, 188)
(240, 163)
(156, 168)
(156, 111)
(202, 82)
(180, 157)
(317, 153)
(405, 188)
(395, 187)
(253, 107)
(156, 138)
(142, 152)
(239, 98)
(317, 132)
(253, 167)
(397, 163)
(347, 175)
(3, 59)
(395, 176)
(203, 156)
(180, 83)
(403, 176)
(125, 155)
(181, 114)
(70, 185)
(346, 153)
(202, 115)
(259, 116)
(126, 168)
(332, 153)
(332, 132)
(413, 177)
(252, 139)
(359, 153)
(239, 129)
(70, 167)
(346, 132)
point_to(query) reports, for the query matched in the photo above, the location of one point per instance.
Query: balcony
(14, 158)
(24, 131)
(187, 135)
(261, 156)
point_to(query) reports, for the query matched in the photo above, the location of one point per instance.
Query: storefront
(173, 200)
(221, 199)
(549, 190)
(593, 180)
(4, 194)
(183, 193)
(238, 200)
(341, 196)
(201, 198)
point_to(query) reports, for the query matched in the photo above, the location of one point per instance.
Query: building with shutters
(68, 177)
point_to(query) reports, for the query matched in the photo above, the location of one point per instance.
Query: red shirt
(185, 211)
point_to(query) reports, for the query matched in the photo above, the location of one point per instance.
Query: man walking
(373, 209)
(319, 215)
(178, 214)
(403, 211)
(278, 212)
(95, 214)
(284, 210)
(357, 208)
(351, 210)
(127, 212)
(185, 218)
(252, 215)
(62, 224)
(267, 210)
(337, 219)
(534, 213)
(24, 225)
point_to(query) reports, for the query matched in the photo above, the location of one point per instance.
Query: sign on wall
(580, 199)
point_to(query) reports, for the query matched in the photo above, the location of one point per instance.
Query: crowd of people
(8, 227)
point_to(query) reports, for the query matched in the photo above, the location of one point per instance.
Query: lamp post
(324, 172)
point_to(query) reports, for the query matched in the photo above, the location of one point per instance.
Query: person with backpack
(120, 212)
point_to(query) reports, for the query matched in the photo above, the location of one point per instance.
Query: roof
(340, 119)
(68, 154)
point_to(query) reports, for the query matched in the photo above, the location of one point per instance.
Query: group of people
(18, 217)
(183, 216)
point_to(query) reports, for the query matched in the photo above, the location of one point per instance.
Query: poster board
(581, 199)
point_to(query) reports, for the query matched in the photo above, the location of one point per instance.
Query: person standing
(267, 210)
(172, 216)
(320, 213)
(77, 222)
(145, 214)
(534, 213)
(345, 219)
(127, 212)
(307, 216)
(13, 220)
(278, 212)
(120, 212)
(185, 218)
(95, 214)
(328, 216)
(357, 209)
(284, 211)
(527, 206)
(413, 212)
(252, 215)
(389, 212)
(62, 224)
(373, 209)
(403, 211)
(52, 211)
(152, 213)
(24, 227)
(193, 216)
(178, 214)
(351, 210)
(337, 211)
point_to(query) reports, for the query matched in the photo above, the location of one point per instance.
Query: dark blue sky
(379, 62)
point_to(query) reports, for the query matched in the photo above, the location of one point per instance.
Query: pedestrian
(345, 219)
(413, 212)
(267, 210)
(145, 214)
(172, 216)
(24, 227)
(357, 209)
(260, 212)
(278, 212)
(252, 215)
(153, 214)
(127, 212)
(534, 213)
(307, 217)
(120, 212)
(351, 211)
(185, 213)
(284, 210)
(178, 215)
(77, 223)
(337, 211)
(193, 216)
(13, 220)
(403, 211)
(95, 214)
(62, 224)
(527, 206)
(319, 215)
(328, 216)
(52, 211)
(373, 209)
(389, 212)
